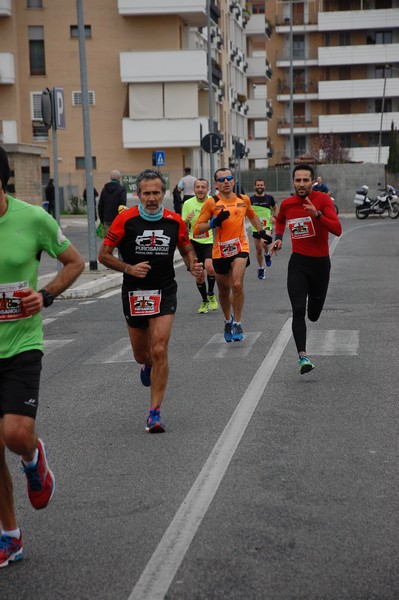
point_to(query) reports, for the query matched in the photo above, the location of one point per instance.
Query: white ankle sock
(13, 533)
(32, 463)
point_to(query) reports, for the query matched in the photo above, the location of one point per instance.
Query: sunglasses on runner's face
(227, 178)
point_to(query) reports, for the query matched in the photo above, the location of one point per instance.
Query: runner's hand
(266, 237)
(217, 221)
(140, 270)
(196, 268)
(276, 247)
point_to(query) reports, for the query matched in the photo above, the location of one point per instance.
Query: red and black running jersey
(139, 240)
(309, 235)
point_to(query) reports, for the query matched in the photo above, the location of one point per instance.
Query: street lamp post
(382, 111)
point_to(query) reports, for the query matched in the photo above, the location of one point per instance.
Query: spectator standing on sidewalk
(49, 192)
(186, 184)
(21, 348)
(112, 196)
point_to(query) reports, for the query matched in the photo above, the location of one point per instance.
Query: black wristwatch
(319, 214)
(48, 298)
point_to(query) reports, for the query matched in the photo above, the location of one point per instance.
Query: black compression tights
(307, 279)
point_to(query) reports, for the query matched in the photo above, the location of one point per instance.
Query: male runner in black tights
(310, 217)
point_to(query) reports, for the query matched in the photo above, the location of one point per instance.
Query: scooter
(387, 200)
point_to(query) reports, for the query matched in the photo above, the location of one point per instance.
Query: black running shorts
(20, 382)
(222, 266)
(168, 307)
(202, 251)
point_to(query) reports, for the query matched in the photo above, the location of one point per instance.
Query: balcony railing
(311, 87)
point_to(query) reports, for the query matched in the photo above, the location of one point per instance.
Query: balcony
(256, 67)
(256, 27)
(358, 88)
(7, 69)
(257, 109)
(302, 91)
(193, 12)
(257, 148)
(163, 66)
(353, 20)
(357, 123)
(358, 55)
(300, 58)
(302, 125)
(5, 8)
(163, 133)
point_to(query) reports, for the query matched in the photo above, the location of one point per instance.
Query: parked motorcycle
(387, 200)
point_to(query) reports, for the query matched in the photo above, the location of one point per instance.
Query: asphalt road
(267, 485)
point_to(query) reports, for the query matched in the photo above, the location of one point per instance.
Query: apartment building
(148, 84)
(345, 64)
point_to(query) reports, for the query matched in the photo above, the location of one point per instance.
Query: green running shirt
(25, 230)
(192, 204)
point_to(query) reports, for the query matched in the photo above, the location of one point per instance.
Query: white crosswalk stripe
(333, 342)
(51, 345)
(217, 347)
(118, 352)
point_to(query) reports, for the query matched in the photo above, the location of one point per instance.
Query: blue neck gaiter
(151, 217)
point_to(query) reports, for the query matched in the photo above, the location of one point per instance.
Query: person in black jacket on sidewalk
(112, 195)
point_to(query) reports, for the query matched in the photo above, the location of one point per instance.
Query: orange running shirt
(231, 238)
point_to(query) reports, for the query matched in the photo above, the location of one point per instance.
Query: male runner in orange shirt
(225, 214)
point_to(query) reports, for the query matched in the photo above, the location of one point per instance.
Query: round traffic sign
(211, 142)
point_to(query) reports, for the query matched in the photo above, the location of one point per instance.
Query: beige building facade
(345, 60)
(148, 85)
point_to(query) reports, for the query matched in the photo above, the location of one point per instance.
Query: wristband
(212, 223)
(126, 270)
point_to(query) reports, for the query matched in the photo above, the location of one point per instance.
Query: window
(75, 33)
(345, 38)
(382, 71)
(36, 106)
(387, 105)
(80, 162)
(298, 46)
(36, 51)
(34, 3)
(39, 132)
(299, 145)
(77, 98)
(383, 37)
(258, 8)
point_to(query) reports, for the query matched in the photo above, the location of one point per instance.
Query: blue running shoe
(261, 273)
(228, 327)
(10, 549)
(237, 332)
(305, 366)
(268, 260)
(154, 424)
(145, 375)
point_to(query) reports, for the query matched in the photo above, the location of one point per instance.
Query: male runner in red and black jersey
(310, 217)
(147, 236)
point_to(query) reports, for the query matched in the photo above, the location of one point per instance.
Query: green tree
(393, 157)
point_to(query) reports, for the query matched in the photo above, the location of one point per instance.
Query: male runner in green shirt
(25, 231)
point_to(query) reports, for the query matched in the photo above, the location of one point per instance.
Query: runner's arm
(190, 259)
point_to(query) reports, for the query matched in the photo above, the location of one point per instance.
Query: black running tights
(307, 279)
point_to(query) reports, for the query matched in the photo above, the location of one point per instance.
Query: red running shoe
(10, 549)
(40, 479)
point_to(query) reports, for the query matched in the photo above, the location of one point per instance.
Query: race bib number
(144, 302)
(11, 308)
(201, 236)
(301, 228)
(230, 248)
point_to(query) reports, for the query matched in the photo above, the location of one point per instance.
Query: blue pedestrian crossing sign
(160, 158)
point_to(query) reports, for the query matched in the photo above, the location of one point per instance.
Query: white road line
(216, 347)
(332, 342)
(48, 320)
(157, 576)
